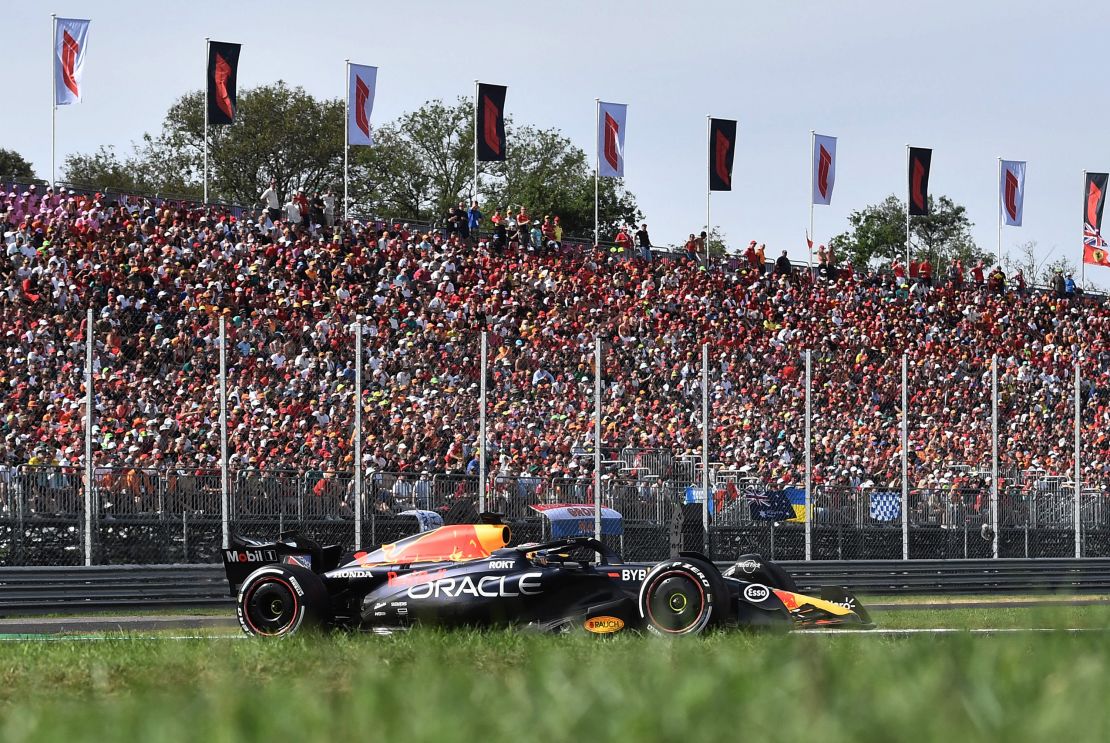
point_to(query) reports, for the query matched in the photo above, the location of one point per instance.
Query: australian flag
(886, 506)
(769, 505)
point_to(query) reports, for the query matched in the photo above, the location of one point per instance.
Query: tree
(544, 171)
(102, 169)
(878, 234)
(420, 164)
(280, 133)
(12, 165)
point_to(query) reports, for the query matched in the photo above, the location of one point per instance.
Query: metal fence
(150, 515)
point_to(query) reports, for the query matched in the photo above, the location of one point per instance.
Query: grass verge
(430, 685)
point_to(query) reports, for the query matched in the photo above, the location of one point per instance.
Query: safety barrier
(71, 590)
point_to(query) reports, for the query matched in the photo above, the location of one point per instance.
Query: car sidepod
(496, 592)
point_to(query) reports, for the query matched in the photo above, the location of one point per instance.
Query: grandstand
(162, 276)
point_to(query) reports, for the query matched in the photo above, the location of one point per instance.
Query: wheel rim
(676, 602)
(271, 606)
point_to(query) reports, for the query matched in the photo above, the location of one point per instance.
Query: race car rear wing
(245, 555)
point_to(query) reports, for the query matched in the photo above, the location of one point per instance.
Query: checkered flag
(886, 506)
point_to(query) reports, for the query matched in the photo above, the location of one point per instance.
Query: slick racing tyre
(280, 600)
(682, 596)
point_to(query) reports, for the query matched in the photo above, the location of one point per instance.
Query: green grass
(1082, 617)
(495, 686)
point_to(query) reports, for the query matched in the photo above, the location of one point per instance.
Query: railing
(158, 515)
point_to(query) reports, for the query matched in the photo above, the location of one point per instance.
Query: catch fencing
(164, 515)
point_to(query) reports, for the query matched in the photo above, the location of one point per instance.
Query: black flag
(491, 122)
(223, 65)
(920, 160)
(1094, 200)
(722, 147)
(1095, 249)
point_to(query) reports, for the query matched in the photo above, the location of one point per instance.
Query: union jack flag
(1092, 238)
(1095, 249)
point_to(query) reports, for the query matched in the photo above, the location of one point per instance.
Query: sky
(974, 81)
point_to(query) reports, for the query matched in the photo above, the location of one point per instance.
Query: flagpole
(597, 168)
(1083, 257)
(709, 192)
(1000, 214)
(54, 101)
(346, 136)
(812, 237)
(474, 196)
(204, 99)
(909, 198)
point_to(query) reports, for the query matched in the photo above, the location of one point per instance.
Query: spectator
(977, 273)
(643, 242)
(474, 219)
(925, 271)
(271, 200)
(1059, 285)
(161, 276)
(292, 212)
(463, 221)
(751, 257)
(783, 269)
(524, 227)
(622, 241)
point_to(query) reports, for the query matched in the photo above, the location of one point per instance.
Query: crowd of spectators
(292, 283)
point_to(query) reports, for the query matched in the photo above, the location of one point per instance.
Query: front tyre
(280, 600)
(681, 597)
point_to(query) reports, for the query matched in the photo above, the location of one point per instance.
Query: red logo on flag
(223, 98)
(720, 158)
(824, 162)
(69, 61)
(362, 94)
(918, 195)
(1011, 195)
(489, 125)
(612, 151)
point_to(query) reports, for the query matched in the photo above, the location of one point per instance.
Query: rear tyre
(681, 597)
(281, 600)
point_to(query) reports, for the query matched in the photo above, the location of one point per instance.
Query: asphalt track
(86, 626)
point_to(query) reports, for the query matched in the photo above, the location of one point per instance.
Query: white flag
(1011, 191)
(824, 168)
(610, 139)
(362, 82)
(69, 59)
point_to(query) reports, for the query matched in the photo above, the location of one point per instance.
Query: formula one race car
(465, 575)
